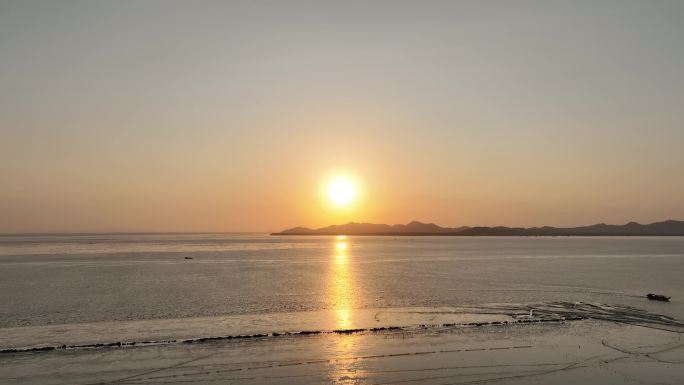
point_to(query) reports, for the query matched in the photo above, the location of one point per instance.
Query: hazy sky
(228, 116)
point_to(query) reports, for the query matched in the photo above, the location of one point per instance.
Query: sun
(341, 191)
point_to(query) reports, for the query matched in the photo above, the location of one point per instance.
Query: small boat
(658, 297)
(191, 258)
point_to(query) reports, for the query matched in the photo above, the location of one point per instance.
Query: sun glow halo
(341, 191)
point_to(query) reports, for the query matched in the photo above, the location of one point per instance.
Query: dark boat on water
(658, 297)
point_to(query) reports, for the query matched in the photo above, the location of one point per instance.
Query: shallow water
(48, 280)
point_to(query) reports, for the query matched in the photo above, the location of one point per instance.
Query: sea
(103, 288)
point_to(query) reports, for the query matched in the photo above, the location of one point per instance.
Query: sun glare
(341, 191)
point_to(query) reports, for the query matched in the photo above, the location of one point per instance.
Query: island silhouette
(664, 228)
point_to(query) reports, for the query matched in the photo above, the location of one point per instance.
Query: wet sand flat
(570, 352)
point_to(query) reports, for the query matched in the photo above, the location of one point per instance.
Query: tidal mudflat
(558, 343)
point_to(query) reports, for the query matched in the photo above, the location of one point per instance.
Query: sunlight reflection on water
(341, 292)
(343, 297)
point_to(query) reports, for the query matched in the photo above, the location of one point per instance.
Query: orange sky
(230, 116)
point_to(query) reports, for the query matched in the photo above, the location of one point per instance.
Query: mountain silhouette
(664, 228)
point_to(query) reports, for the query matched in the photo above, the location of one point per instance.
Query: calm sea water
(48, 280)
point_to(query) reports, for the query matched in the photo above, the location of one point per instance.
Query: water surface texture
(51, 280)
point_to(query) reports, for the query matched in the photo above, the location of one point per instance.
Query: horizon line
(127, 233)
(64, 233)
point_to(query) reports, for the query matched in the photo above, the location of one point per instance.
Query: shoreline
(583, 351)
(119, 334)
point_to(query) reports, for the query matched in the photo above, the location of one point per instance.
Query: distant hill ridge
(664, 228)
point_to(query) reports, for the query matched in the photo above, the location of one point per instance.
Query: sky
(125, 116)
